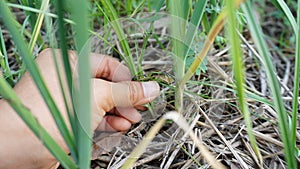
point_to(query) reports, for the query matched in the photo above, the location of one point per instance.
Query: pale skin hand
(112, 92)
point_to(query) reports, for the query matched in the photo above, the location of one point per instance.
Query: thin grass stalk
(214, 4)
(21, 28)
(111, 14)
(256, 33)
(193, 25)
(296, 79)
(216, 28)
(188, 39)
(179, 10)
(179, 120)
(66, 96)
(83, 95)
(205, 24)
(139, 150)
(183, 39)
(62, 34)
(138, 8)
(286, 10)
(105, 42)
(250, 95)
(7, 92)
(141, 56)
(60, 8)
(26, 8)
(148, 33)
(128, 6)
(4, 59)
(38, 25)
(23, 48)
(32, 16)
(239, 75)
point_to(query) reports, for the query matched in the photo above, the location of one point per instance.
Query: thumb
(130, 94)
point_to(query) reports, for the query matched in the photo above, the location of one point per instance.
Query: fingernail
(151, 89)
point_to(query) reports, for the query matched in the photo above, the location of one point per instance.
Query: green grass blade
(286, 10)
(4, 60)
(216, 28)
(38, 25)
(194, 24)
(23, 48)
(205, 24)
(7, 92)
(128, 6)
(59, 7)
(214, 4)
(256, 33)
(296, 80)
(159, 5)
(111, 14)
(138, 8)
(239, 74)
(26, 8)
(65, 94)
(179, 10)
(32, 16)
(148, 33)
(81, 27)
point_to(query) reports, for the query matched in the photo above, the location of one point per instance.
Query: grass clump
(231, 100)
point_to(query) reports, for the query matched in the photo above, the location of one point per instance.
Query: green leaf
(189, 60)
(83, 93)
(38, 24)
(256, 33)
(112, 15)
(286, 10)
(193, 26)
(239, 74)
(296, 81)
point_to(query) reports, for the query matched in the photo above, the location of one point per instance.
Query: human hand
(112, 92)
(115, 96)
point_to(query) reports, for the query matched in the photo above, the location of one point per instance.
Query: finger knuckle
(133, 92)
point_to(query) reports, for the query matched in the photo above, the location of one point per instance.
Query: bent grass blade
(216, 28)
(178, 119)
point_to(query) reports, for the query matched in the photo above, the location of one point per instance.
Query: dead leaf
(105, 142)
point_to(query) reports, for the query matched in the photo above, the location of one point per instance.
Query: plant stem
(179, 10)
(296, 79)
(216, 28)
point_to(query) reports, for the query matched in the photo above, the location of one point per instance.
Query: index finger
(108, 68)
